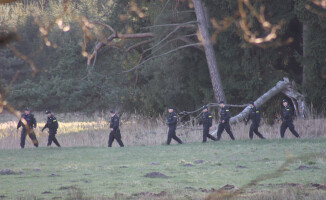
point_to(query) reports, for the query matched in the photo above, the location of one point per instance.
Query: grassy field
(192, 171)
(86, 169)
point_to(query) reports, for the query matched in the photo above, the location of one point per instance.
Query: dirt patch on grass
(7, 172)
(317, 186)
(53, 175)
(198, 161)
(188, 165)
(302, 167)
(68, 188)
(156, 175)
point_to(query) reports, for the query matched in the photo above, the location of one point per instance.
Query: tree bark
(279, 87)
(304, 50)
(298, 100)
(284, 86)
(209, 52)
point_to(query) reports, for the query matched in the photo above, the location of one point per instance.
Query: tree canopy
(48, 65)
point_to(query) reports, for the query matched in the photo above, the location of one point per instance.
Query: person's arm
(34, 121)
(19, 124)
(45, 126)
(174, 119)
(248, 118)
(56, 125)
(210, 120)
(257, 115)
(202, 119)
(228, 115)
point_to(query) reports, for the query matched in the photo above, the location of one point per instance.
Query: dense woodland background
(65, 83)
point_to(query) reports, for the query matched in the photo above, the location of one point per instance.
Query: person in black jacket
(115, 131)
(225, 116)
(206, 121)
(52, 125)
(171, 121)
(254, 116)
(28, 122)
(287, 120)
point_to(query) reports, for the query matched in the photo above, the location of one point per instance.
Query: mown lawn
(191, 169)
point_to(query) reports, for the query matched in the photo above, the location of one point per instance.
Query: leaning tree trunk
(286, 87)
(209, 51)
(304, 50)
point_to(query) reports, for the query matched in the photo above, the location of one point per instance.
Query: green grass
(103, 172)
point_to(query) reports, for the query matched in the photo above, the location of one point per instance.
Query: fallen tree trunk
(284, 86)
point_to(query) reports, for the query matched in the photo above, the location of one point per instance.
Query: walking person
(287, 120)
(115, 131)
(52, 125)
(254, 116)
(225, 116)
(206, 121)
(171, 121)
(28, 123)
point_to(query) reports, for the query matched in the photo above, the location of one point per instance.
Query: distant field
(192, 171)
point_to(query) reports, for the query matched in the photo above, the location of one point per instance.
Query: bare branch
(106, 25)
(151, 58)
(164, 25)
(168, 35)
(139, 44)
(134, 35)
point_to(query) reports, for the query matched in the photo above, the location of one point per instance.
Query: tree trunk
(304, 50)
(279, 87)
(209, 51)
(285, 87)
(298, 100)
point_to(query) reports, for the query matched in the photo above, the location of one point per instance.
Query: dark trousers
(172, 135)
(221, 128)
(31, 135)
(207, 135)
(52, 138)
(254, 129)
(115, 134)
(289, 124)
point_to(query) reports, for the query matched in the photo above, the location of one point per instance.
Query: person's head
(285, 102)
(170, 109)
(205, 109)
(221, 104)
(112, 112)
(27, 110)
(251, 104)
(48, 113)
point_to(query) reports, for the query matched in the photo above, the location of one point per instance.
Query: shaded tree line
(169, 68)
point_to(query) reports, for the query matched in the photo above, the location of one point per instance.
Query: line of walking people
(28, 124)
(224, 122)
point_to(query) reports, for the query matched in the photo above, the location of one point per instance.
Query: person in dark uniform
(287, 120)
(28, 123)
(206, 121)
(52, 125)
(225, 116)
(254, 116)
(115, 131)
(171, 121)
